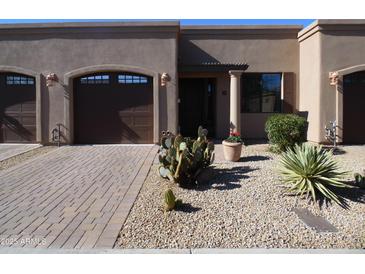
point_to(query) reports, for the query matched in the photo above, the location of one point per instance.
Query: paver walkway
(10, 150)
(73, 197)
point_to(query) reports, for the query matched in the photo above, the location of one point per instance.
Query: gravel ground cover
(244, 206)
(25, 156)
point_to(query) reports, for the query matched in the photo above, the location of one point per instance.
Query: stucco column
(235, 101)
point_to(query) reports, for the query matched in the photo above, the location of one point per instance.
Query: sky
(304, 22)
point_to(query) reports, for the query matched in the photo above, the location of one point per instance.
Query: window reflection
(261, 92)
(19, 80)
(132, 79)
(95, 79)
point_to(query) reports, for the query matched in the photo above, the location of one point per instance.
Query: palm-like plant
(311, 170)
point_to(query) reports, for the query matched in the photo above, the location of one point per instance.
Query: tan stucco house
(127, 82)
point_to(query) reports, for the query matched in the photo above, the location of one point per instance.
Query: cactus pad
(181, 157)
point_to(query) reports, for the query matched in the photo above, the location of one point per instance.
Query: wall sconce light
(164, 79)
(333, 78)
(51, 78)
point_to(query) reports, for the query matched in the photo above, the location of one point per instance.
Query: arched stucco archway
(68, 97)
(337, 78)
(37, 77)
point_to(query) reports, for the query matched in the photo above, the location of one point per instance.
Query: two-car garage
(108, 108)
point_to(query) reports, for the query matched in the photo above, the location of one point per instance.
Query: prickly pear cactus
(181, 158)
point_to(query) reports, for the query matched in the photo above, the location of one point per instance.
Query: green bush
(309, 170)
(285, 130)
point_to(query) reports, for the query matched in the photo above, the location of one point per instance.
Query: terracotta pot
(232, 151)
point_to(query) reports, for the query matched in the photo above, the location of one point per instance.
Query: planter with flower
(232, 147)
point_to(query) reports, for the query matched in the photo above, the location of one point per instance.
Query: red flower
(236, 134)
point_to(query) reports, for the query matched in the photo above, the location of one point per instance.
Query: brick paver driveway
(73, 197)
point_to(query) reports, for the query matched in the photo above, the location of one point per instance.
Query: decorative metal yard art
(56, 134)
(182, 159)
(331, 132)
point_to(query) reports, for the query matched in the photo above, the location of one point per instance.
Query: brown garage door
(354, 108)
(113, 108)
(17, 108)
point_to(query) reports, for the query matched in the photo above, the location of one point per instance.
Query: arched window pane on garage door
(14, 79)
(17, 108)
(118, 112)
(95, 79)
(132, 79)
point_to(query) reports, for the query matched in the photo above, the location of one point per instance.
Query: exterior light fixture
(333, 78)
(51, 78)
(164, 79)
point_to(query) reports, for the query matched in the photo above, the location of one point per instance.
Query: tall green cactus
(181, 159)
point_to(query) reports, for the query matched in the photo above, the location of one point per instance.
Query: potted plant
(232, 147)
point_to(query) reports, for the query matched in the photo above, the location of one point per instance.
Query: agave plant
(312, 171)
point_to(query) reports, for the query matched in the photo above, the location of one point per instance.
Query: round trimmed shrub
(285, 130)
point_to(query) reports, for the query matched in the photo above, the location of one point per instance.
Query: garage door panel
(128, 120)
(13, 108)
(142, 108)
(141, 131)
(13, 133)
(118, 112)
(28, 120)
(353, 108)
(18, 108)
(28, 107)
(142, 121)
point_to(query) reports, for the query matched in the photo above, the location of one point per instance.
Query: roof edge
(149, 24)
(241, 27)
(332, 24)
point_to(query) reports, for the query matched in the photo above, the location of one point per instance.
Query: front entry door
(197, 105)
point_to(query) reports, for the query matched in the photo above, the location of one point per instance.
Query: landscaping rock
(244, 206)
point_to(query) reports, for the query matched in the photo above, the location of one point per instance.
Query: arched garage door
(113, 108)
(17, 108)
(354, 108)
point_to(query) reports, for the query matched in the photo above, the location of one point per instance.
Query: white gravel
(242, 207)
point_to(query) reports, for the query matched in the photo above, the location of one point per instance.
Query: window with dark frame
(19, 80)
(95, 79)
(132, 79)
(261, 93)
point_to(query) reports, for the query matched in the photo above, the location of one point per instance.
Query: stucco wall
(310, 74)
(340, 50)
(264, 49)
(63, 49)
(327, 46)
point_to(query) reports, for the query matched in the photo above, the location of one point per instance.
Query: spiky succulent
(313, 171)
